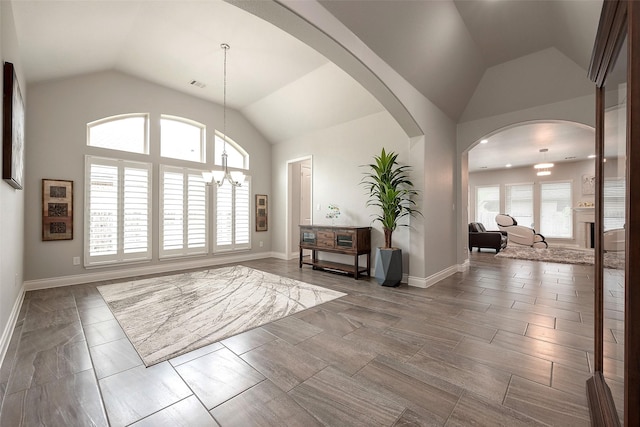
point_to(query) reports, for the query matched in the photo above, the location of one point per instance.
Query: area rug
(562, 255)
(167, 316)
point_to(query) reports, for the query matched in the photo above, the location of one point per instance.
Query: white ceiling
(283, 86)
(520, 146)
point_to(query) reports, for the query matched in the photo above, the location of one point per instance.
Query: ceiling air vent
(197, 84)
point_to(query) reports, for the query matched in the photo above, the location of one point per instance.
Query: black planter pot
(388, 270)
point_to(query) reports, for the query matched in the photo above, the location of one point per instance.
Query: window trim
(117, 117)
(571, 216)
(507, 199)
(185, 250)
(233, 247)
(477, 187)
(235, 145)
(120, 257)
(203, 137)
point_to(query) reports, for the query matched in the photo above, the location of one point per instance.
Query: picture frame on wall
(12, 130)
(588, 185)
(262, 212)
(57, 209)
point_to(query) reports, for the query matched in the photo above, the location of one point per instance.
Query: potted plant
(391, 191)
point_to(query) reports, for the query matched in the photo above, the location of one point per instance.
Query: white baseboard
(425, 282)
(97, 276)
(11, 325)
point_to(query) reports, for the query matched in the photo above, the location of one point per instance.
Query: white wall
(338, 154)
(11, 204)
(58, 114)
(563, 171)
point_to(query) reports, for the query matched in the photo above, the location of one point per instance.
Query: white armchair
(520, 234)
(613, 240)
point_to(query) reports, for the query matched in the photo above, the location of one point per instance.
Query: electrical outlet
(261, 243)
(76, 260)
(16, 282)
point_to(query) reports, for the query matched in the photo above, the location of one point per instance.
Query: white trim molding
(10, 327)
(425, 282)
(162, 267)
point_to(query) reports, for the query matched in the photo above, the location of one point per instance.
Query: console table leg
(369, 264)
(300, 257)
(357, 268)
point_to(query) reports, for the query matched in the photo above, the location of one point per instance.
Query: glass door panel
(614, 206)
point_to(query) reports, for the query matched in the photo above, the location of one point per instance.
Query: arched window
(125, 132)
(182, 139)
(237, 157)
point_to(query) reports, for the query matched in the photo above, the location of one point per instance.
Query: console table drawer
(325, 239)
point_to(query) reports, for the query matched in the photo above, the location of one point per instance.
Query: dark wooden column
(632, 274)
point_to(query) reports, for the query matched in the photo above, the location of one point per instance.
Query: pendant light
(235, 178)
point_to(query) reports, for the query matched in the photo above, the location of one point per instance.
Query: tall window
(556, 214)
(488, 206)
(519, 203)
(117, 211)
(236, 156)
(183, 212)
(232, 217)
(182, 139)
(614, 203)
(127, 132)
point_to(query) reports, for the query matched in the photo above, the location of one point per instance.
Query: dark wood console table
(353, 241)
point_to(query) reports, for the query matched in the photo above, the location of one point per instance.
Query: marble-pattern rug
(167, 316)
(562, 255)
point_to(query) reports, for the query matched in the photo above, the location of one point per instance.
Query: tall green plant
(390, 190)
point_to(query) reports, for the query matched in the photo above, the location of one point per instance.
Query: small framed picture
(57, 209)
(262, 212)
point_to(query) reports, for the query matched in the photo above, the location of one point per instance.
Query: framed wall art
(12, 130)
(57, 209)
(588, 185)
(262, 209)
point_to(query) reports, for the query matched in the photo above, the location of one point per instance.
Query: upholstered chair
(479, 238)
(519, 234)
(613, 240)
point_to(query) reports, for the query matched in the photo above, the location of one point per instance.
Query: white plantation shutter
(183, 212)
(556, 212)
(117, 211)
(242, 214)
(197, 213)
(233, 219)
(136, 208)
(614, 203)
(519, 203)
(224, 215)
(172, 218)
(103, 210)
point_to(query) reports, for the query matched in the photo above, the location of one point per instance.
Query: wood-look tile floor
(506, 342)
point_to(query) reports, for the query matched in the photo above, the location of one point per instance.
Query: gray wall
(11, 204)
(58, 114)
(564, 171)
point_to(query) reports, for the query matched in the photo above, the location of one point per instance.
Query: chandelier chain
(224, 100)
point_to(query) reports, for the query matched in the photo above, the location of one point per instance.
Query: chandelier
(543, 168)
(235, 178)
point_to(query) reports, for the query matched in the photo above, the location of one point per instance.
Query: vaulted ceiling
(283, 86)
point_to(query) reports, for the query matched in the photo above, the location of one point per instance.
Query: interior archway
(501, 162)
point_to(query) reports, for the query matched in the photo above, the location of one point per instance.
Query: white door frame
(289, 247)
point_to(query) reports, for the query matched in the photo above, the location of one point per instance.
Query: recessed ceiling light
(591, 156)
(484, 141)
(508, 165)
(544, 173)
